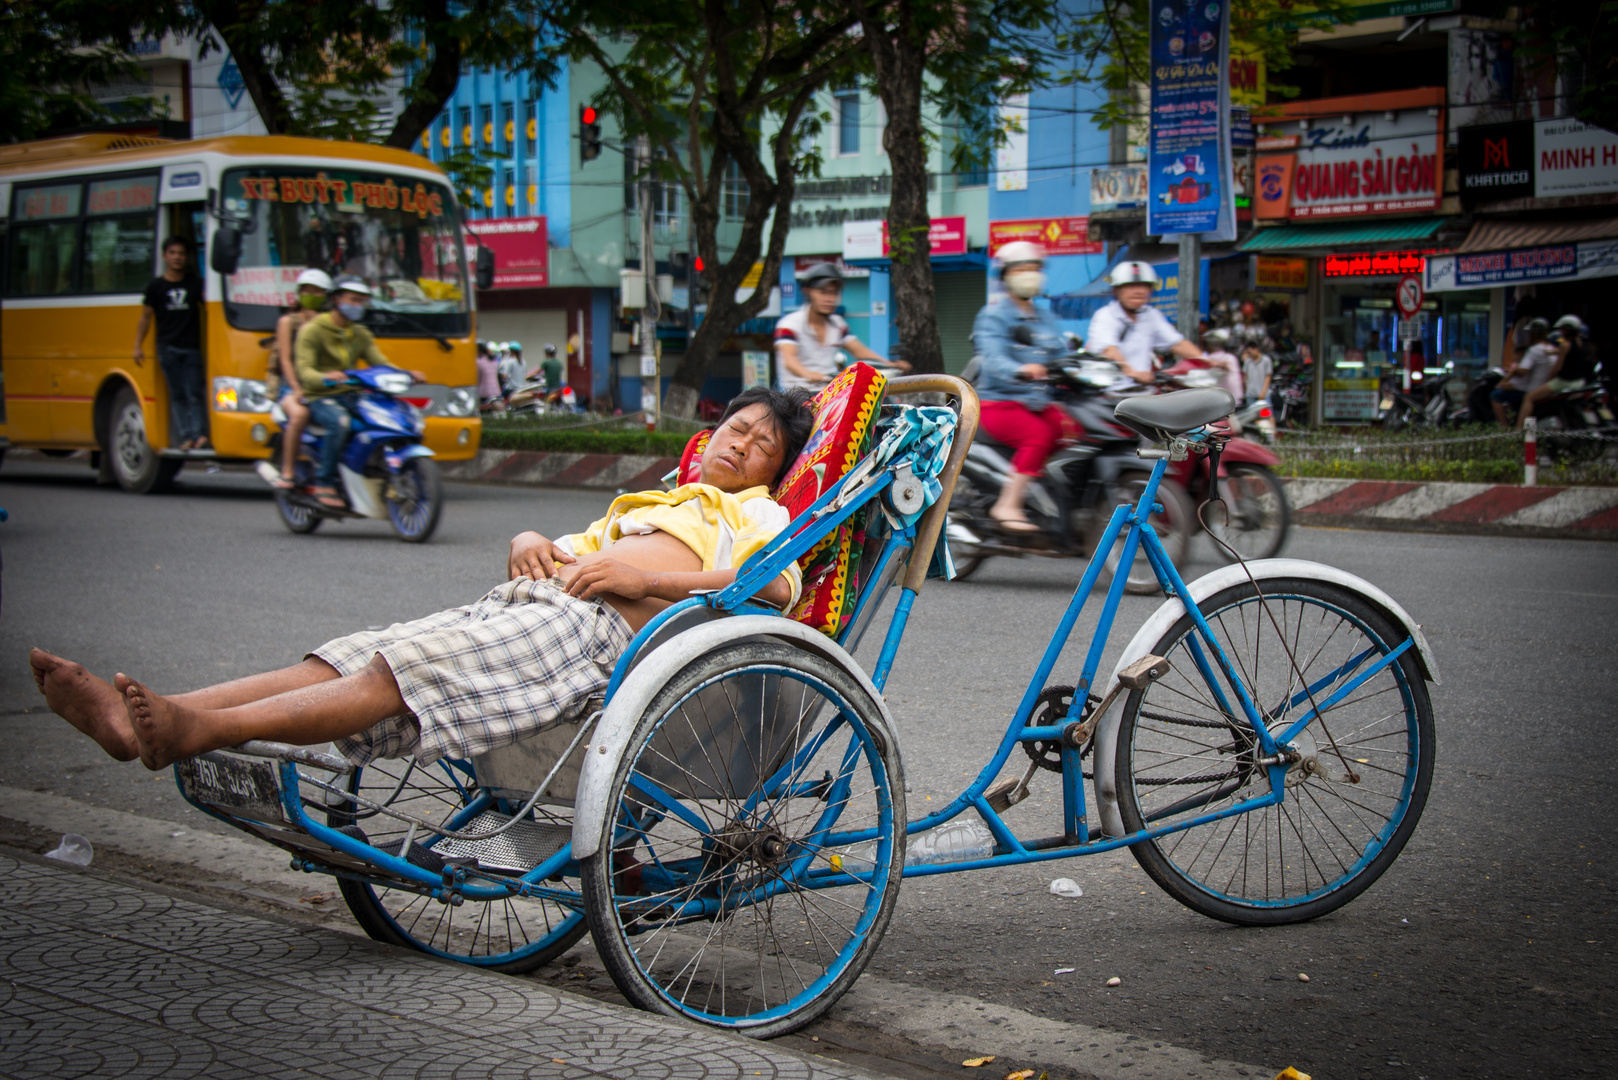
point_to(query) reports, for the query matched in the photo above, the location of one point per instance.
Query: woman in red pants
(1015, 340)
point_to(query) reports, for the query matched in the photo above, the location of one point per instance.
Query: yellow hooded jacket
(724, 530)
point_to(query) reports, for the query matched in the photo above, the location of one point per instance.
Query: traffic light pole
(651, 379)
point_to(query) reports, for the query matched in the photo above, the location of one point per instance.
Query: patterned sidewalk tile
(101, 979)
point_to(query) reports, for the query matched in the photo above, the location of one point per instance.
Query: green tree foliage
(699, 81)
(1580, 38)
(52, 58)
(1112, 45)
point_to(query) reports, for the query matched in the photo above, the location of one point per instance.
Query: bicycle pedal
(1144, 672)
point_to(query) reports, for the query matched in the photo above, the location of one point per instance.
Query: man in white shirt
(808, 340)
(1129, 331)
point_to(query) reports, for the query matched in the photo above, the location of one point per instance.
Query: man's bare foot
(165, 732)
(93, 706)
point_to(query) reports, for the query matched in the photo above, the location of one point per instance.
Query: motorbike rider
(1532, 371)
(1130, 331)
(807, 340)
(1575, 364)
(1015, 342)
(313, 288)
(488, 376)
(327, 347)
(1216, 342)
(551, 367)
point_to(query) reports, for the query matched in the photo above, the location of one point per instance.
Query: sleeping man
(532, 652)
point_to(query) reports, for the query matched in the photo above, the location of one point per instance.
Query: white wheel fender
(653, 672)
(1106, 738)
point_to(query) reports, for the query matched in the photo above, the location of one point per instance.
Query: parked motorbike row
(1072, 499)
(1576, 423)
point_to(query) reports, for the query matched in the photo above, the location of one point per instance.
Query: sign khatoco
(1188, 157)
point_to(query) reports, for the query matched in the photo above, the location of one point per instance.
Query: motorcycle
(1071, 499)
(1256, 517)
(533, 398)
(1429, 407)
(1577, 423)
(384, 472)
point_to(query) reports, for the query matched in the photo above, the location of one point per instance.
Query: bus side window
(44, 240)
(120, 234)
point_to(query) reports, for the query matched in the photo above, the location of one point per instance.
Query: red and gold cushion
(845, 417)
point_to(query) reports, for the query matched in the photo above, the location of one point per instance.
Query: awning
(1503, 234)
(1288, 237)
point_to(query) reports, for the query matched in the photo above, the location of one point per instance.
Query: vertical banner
(1188, 162)
(1011, 159)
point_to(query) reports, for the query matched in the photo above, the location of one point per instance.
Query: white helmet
(318, 278)
(1571, 322)
(1020, 251)
(1133, 273)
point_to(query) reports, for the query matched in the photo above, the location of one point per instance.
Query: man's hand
(1032, 371)
(337, 379)
(611, 576)
(534, 556)
(418, 376)
(140, 354)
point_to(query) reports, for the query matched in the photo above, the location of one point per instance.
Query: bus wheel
(136, 466)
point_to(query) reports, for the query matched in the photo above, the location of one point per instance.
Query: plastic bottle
(954, 841)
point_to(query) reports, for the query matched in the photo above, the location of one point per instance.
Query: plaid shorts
(521, 659)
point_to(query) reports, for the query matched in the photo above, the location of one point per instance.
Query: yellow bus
(83, 218)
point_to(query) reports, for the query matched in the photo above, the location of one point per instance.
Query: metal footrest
(516, 851)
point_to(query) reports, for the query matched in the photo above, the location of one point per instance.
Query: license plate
(1606, 414)
(237, 786)
(1590, 417)
(1387, 403)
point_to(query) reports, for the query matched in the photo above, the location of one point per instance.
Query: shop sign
(1573, 158)
(1274, 185)
(1371, 165)
(1058, 236)
(1276, 272)
(1123, 188)
(1543, 159)
(755, 368)
(800, 263)
(1373, 264)
(521, 249)
(946, 236)
(1497, 161)
(1555, 262)
(1188, 158)
(1350, 399)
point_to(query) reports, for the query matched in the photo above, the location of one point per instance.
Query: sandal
(1018, 524)
(201, 443)
(327, 496)
(281, 483)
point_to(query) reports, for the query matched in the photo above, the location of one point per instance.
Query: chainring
(1050, 709)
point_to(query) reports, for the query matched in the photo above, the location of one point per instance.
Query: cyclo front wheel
(753, 848)
(1352, 798)
(511, 934)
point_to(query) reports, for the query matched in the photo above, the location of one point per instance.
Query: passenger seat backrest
(845, 411)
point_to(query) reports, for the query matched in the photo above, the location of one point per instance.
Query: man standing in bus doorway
(174, 300)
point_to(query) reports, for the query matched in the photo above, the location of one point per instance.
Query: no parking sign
(1408, 296)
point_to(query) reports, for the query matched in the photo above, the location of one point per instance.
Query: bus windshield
(398, 233)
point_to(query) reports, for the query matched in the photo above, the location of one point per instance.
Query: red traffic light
(697, 262)
(589, 115)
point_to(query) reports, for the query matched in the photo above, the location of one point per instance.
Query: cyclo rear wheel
(1350, 803)
(753, 847)
(511, 934)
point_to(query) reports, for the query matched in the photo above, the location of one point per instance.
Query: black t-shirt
(1580, 364)
(178, 307)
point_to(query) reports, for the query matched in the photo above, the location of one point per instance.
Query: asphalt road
(1485, 952)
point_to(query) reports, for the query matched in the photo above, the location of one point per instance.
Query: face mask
(1025, 284)
(352, 312)
(311, 302)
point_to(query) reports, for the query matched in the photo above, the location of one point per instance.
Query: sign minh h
(1058, 236)
(946, 236)
(521, 249)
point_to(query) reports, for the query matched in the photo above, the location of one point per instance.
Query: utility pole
(651, 379)
(1190, 284)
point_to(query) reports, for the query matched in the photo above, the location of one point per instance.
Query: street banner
(1058, 236)
(1552, 262)
(1011, 157)
(521, 250)
(1188, 160)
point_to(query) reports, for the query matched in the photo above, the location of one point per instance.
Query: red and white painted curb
(541, 468)
(1449, 507)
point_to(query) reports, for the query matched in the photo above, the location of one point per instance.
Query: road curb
(1577, 513)
(543, 468)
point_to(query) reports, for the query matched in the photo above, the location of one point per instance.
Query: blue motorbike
(385, 472)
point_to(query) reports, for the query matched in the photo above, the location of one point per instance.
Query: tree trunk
(437, 83)
(900, 60)
(234, 23)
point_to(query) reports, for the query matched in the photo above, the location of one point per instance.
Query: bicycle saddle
(1166, 415)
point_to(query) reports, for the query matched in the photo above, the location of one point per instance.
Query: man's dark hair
(171, 241)
(789, 411)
